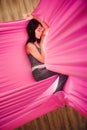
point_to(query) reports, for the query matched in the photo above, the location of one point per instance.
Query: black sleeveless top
(34, 61)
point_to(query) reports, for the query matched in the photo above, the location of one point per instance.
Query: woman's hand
(28, 16)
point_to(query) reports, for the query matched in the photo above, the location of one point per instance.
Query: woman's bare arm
(31, 49)
(44, 33)
(41, 56)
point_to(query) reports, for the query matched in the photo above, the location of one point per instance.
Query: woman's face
(38, 31)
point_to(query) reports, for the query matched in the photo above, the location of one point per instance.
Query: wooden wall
(61, 119)
(14, 9)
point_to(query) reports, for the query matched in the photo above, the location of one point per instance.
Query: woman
(37, 31)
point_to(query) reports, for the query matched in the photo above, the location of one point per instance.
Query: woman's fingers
(27, 16)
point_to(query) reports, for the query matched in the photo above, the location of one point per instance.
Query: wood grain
(64, 118)
(14, 9)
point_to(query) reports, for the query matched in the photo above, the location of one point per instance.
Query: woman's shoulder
(29, 44)
(29, 47)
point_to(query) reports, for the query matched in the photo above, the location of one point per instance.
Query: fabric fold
(22, 98)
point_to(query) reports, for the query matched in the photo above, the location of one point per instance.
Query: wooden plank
(14, 9)
(64, 118)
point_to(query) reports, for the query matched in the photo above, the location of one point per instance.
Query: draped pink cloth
(22, 98)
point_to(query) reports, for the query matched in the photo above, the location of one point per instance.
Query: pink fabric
(66, 46)
(22, 98)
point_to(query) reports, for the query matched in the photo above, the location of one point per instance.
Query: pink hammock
(22, 98)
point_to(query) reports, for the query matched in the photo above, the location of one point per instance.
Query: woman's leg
(42, 73)
(62, 80)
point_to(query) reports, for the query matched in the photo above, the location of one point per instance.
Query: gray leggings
(43, 73)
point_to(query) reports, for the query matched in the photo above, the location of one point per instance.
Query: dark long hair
(32, 25)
